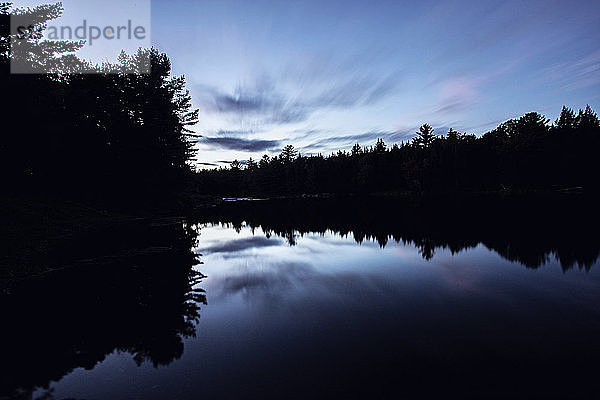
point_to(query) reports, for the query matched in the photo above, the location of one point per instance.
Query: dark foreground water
(318, 298)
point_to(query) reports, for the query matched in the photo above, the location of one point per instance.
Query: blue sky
(322, 75)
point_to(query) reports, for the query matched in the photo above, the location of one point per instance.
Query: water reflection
(131, 289)
(327, 318)
(530, 230)
(318, 299)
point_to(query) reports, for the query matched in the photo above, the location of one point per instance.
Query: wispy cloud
(262, 104)
(334, 143)
(240, 144)
(268, 284)
(576, 74)
(236, 133)
(458, 95)
(234, 246)
(265, 103)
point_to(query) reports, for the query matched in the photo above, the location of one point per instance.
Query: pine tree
(453, 135)
(30, 52)
(425, 136)
(235, 165)
(567, 119)
(264, 161)
(251, 164)
(288, 154)
(380, 146)
(587, 119)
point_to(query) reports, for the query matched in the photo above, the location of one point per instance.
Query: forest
(524, 154)
(109, 134)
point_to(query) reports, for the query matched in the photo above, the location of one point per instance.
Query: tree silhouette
(29, 52)
(567, 119)
(587, 119)
(288, 154)
(380, 146)
(235, 165)
(425, 136)
(251, 164)
(139, 295)
(525, 153)
(264, 161)
(453, 135)
(117, 135)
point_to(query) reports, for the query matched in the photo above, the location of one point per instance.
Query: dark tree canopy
(115, 132)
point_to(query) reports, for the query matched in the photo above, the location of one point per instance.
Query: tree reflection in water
(136, 292)
(530, 230)
(132, 288)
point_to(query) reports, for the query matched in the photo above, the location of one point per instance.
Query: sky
(323, 75)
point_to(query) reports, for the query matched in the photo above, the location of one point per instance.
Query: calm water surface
(325, 314)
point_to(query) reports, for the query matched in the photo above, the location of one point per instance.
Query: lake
(370, 298)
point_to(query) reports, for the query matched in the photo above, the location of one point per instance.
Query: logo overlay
(76, 36)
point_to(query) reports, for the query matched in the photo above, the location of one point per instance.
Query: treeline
(520, 154)
(109, 133)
